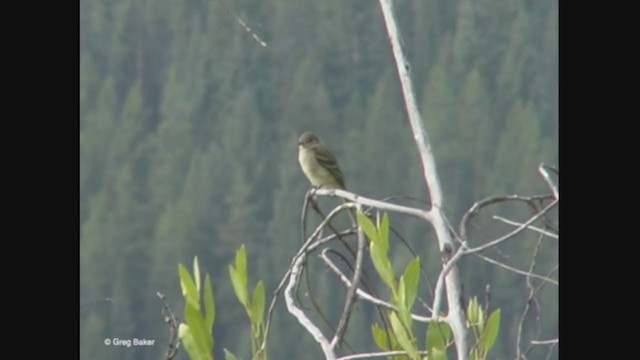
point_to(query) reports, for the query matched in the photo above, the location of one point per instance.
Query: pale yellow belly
(317, 175)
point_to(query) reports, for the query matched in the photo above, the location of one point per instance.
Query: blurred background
(188, 131)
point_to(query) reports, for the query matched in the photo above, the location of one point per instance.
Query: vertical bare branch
(454, 287)
(531, 299)
(351, 293)
(170, 319)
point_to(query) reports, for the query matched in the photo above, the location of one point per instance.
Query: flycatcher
(318, 163)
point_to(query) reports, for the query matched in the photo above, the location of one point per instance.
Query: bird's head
(308, 140)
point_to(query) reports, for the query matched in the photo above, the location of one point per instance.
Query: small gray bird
(318, 163)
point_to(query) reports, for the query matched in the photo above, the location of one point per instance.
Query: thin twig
(462, 250)
(170, 319)
(542, 169)
(514, 232)
(478, 205)
(308, 246)
(517, 271)
(531, 298)
(545, 342)
(309, 199)
(279, 288)
(487, 299)
(415, 254)
(351, 293)
(378, 354)
(550, 351)
(511, 222)
(363, 294)
(245, 26)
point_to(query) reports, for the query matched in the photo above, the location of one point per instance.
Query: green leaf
(438, 335)
(241, 260)
(383, 233)
(196, 273)
(411, 279)
(368, 227)
(380, 337)
(402, 336)
(473, 355)
(257, 304)
(186, 337)
(490, 333)
(472, 311)
(241, 265)
(405, 317)
(238, 286)
(196, 322)
(209, 304)
(383, 266)
(229, 356)
(189, 290)
(405, 314)
(438, 354)
(400, 301)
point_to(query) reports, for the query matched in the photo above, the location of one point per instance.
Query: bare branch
(363, 294)
(478, 205)
(550, 351)
(378, 354)
(517, 271)
(434, 215)
(170, 319)
(542, 169)
(463, 250)
(511, 222)
(514, 232)
(299, 314)
(365, 201)
(277, 291)
(487, 298)
(351, 293)
(307, 247)
(439, 292)
(530, 299)
(545, 342)
(383, 206)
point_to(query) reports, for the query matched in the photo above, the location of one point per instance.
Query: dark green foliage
(187, 147)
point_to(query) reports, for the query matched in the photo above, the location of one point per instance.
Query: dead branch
(363, 294)
(170, 319)
(536, 229)
(351, 293)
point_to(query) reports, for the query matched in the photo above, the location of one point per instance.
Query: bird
(318, 163)
(320, 166)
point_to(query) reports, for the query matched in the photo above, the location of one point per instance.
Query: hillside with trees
(188, 130)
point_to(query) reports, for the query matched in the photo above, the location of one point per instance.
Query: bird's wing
(328, 161)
